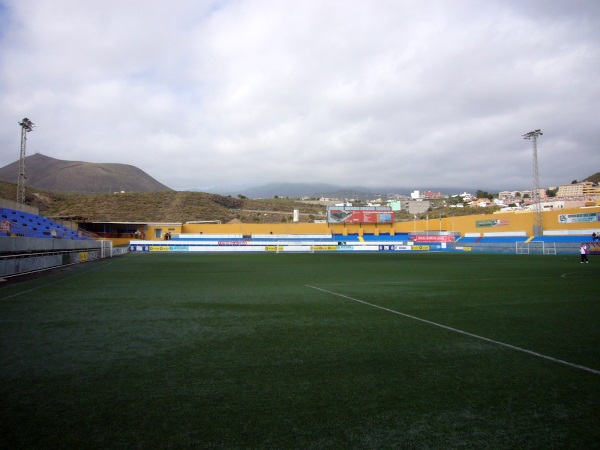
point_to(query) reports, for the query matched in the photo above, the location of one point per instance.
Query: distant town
(585, 193)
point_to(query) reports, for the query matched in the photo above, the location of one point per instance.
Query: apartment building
(576, 189)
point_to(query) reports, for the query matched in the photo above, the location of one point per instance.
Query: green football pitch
(307, 351)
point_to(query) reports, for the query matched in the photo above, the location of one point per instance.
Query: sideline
(455, 330)
(83, 272)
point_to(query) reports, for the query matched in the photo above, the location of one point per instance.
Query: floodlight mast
(537, 206)
(26, 126)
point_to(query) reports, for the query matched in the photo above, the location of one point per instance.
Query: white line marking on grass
(453, 280)
(59, 280)
(465, 333)
(564, 275)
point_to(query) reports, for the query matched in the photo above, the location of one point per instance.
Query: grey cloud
(248, 92)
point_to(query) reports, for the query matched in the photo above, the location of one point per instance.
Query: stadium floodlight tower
(537, 206)
(26, 126)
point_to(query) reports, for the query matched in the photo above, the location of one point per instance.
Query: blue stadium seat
(502, 239)
(468, 239)
(32, 225)
(565, 239)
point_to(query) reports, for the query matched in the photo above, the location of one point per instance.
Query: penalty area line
(456, 330)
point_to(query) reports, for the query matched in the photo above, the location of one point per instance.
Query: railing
(116, 235)
(521, 248)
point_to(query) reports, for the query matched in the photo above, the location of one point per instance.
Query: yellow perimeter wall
(507, 222)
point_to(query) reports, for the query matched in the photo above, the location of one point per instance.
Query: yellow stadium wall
(512, 222)
(119, 242)
(256, 228)
(551, 222)
(170, 228)
(150, 230)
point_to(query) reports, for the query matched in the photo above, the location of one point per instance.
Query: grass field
(304, 351)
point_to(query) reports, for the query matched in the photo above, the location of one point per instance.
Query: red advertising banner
(359, 216)
(433, 238)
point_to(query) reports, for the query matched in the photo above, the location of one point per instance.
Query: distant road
(281, 212)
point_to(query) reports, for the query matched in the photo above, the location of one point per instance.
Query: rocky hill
(162, 206)
(186, 206)
(44, 172)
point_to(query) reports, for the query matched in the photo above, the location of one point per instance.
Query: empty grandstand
(30, 242)
(25, 224)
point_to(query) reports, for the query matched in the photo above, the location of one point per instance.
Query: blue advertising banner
(579, 218)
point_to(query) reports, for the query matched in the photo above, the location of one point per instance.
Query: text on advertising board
(433, 238)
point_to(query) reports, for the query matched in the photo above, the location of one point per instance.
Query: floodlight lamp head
(532, 134)
(27, 124)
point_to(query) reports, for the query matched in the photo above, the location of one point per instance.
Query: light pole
(26, 126)
(537, 206)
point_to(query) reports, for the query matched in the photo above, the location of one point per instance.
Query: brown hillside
(164, 206)
(173, 206)
(44, 172)
(594, 178)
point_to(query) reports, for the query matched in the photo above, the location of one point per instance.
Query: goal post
(526, 248)
(106, 248)
(522, 248)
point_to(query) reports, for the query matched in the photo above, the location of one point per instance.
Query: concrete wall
(21, 255)
(22, 245)
(4, 203)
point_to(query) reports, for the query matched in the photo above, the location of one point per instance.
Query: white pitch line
(445, 327)
(83, 272)
(565, 275)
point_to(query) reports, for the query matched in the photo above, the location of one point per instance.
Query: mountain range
(47, 173)
(313, 190)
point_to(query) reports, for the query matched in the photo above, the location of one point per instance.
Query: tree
(484, 194)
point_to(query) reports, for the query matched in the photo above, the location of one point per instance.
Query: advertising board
(432, 238)
(359, 216)
(579, 218)
(491, 223)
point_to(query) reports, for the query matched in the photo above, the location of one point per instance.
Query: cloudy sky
(210, 94)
